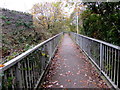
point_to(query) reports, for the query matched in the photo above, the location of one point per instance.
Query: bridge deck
(71, 69)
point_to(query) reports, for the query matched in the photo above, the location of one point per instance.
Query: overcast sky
(20, 5)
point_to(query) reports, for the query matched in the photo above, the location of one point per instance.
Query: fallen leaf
(68, 80)
(1, 65)
(54, 82)
(74, 83)
(85, 74)
(57, 83)
(61, 74)
(61, 85)
(49, 85)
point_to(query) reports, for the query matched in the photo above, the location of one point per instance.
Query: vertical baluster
(110, 62)
(112, 73)
(34, 77)
(118, 68)
(39, 62)
(5, 80)
(50, 49)
(26, 75)
(107, 61)
(44, 56)
(57, 40)
(1, 77)
(52, 46)
(110, 49)
(94, 48)
(101, 55)
(105, 58)
(89, 48)
(23, 75)
(29, 75)
(12, 76)
(97, 53)
(98, 56)
(42, 59)
(115, 66)
(78, 40)
(19, 75)
(85, 45)
(54, 43)
(35, 70)
(32, 72)
(81, 42)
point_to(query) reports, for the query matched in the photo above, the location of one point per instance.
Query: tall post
(77, 20)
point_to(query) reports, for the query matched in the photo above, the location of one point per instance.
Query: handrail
(27, 69)
(105, 56)
(99, 41)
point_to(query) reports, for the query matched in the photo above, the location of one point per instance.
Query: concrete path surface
(71, 69)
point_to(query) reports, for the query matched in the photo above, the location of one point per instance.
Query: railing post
(1, 78)
(77, 39)
(50, 49)
(82, 43)
(101, 56)
(18, 74)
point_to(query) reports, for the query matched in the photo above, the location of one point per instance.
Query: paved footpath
(71, 69)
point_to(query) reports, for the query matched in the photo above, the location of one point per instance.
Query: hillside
(18, 33)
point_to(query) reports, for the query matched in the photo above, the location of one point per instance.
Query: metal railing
(105, 56)
(27, 69)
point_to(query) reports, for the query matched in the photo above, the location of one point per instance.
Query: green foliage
(52, 22)
(4, 17)
(27, 47)
(8, 22)
(43, 54)
(25, 24)
(19, 36)
(9, 81)
(57, 4)
(101, 21)
(108, 67)
(9, 57)
(14, 54)
(19, 23)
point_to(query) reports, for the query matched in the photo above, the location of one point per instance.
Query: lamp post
(77, 20)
